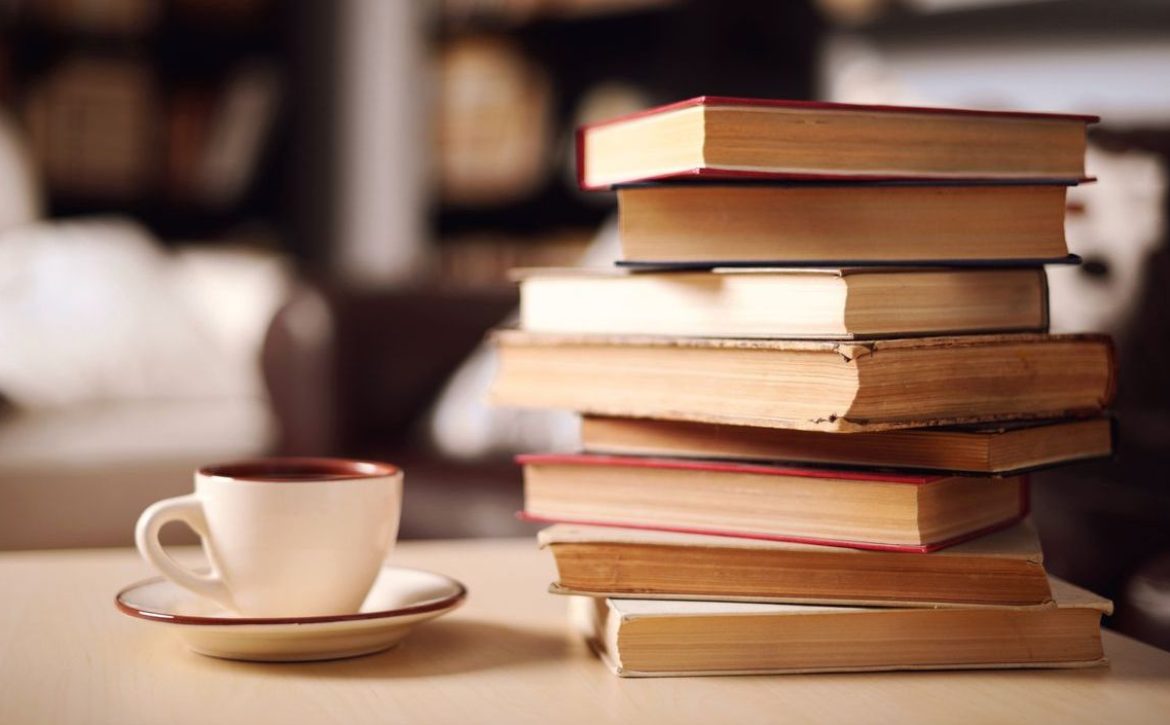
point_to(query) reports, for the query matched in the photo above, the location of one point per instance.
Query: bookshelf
(167, 112)
(122, 99)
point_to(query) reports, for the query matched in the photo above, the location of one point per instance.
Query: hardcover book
(990, 448)
(1002, 568)
(738, 138)
(657, 638)
(793, 303)
(809, 385)
(858, 509)
(841, 224)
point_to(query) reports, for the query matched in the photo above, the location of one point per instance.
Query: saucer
(399, 600)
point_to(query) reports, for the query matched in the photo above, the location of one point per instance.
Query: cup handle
(188, 510)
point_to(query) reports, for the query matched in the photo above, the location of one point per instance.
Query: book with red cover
(751, 138)
(856, 509)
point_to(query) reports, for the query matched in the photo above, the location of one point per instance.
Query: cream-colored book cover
(660, 638)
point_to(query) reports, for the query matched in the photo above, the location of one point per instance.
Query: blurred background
(231, 228)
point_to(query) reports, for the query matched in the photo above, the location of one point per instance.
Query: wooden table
(67, 656)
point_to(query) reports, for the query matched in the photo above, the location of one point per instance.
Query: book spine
(580, 155)
(1045, 317)
(1110, 391)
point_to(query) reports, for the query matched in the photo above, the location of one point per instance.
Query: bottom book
(664, 638)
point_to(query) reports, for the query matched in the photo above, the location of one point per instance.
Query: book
(657, 638)
(841, 224)
(1003, 568)
(809, 385)
(736, 138)
(490, 148)
(1002, 449)
(92, 123)
(237, 133)
(858, 509)
(792, 303)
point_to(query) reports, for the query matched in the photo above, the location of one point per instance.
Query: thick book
(841, 224)
(809, 385)
(857, 509)
(660, 638)
(745, 138)
(990, 448)
(1003, 568)
(792, 303)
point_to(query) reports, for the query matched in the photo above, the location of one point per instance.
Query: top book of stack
(738, 138)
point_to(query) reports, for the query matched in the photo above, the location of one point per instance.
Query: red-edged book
(856, 509)
(751, 138)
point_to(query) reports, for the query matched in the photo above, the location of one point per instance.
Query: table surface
(507, 656)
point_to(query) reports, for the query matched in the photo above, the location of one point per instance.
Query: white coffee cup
(286, 537)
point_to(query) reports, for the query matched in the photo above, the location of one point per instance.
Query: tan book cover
(809, 385)
(989, 448)
(848, 303)
(662, 638)
(1001, 568)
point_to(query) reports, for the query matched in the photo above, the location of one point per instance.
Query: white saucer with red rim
(399, 600)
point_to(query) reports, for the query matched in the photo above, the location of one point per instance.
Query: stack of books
(812, 391)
